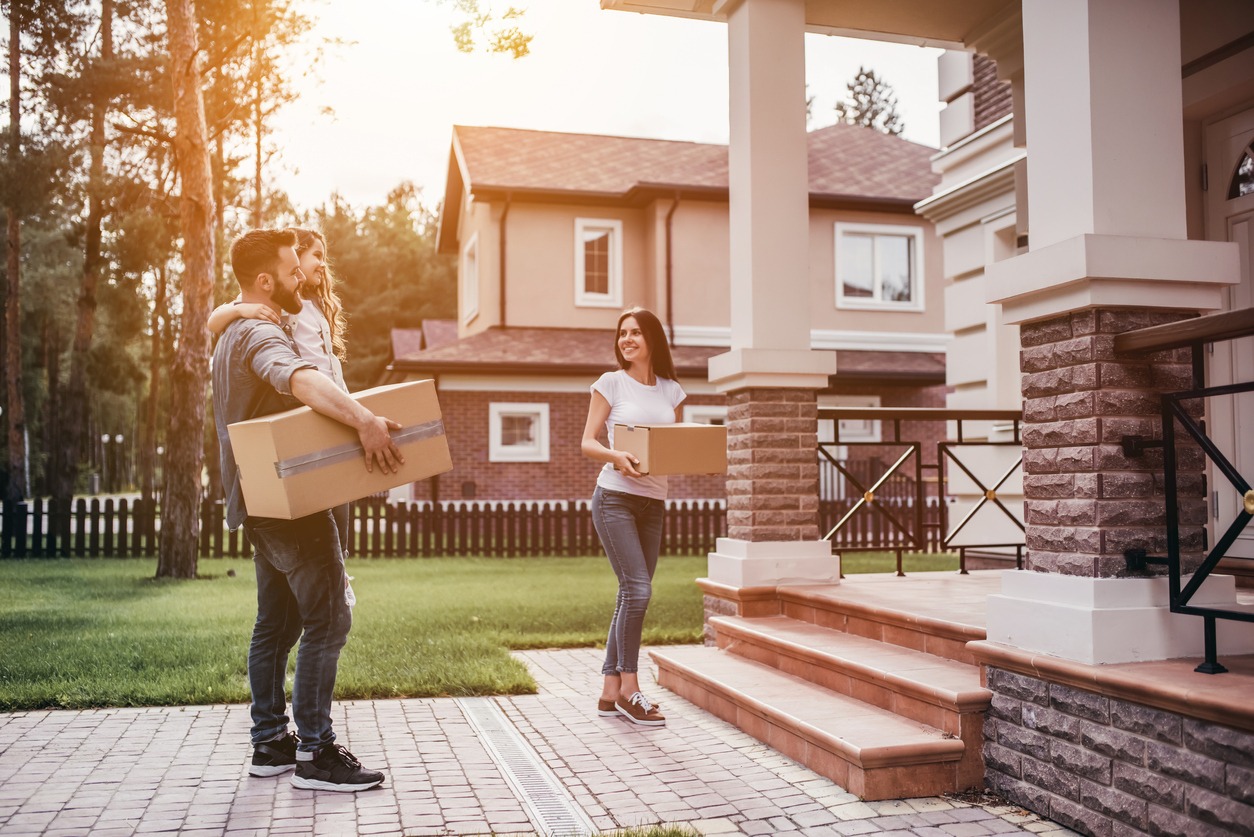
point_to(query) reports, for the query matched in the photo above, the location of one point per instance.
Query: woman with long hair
(317, 331)
(627, 506)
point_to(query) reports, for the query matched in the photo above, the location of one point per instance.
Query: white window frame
(703, 413)
(874, 303)
(469, 279)
(498, 452)
(613, 298)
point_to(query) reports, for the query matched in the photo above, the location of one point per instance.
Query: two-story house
(557, 233)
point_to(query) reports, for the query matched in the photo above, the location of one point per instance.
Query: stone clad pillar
(770, 373)
(1108, 253)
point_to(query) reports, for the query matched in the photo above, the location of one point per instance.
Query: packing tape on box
(352, 450)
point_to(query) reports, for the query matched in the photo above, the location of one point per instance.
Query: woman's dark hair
(654, 336)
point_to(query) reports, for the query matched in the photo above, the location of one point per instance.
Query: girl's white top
(631, 402)
(312, 334)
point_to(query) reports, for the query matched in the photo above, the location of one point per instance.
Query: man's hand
(378, 445)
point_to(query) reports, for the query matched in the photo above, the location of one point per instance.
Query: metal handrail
(1193, 334)
(895, 417)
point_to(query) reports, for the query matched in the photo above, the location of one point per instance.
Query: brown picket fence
(109, 528)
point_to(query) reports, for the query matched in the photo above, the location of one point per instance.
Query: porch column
(1108, 253)
(770, 373)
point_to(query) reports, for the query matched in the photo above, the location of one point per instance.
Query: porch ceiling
(937, 23)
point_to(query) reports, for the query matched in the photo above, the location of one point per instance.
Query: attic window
(1243, 178)
(879, 266)
(598, 263)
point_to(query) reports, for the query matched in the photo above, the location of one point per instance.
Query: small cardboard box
(682, 448)
(299, 462)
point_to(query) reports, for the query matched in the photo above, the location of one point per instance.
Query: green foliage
(872, 103)
(388, 275)
(82, 633)
(484, 28)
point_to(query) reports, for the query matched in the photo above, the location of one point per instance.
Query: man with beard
(300, 567)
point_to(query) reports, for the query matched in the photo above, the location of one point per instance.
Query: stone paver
(183, 770)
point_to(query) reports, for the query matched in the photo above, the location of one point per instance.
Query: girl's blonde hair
(324, 296)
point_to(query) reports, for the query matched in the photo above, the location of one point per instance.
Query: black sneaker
(335, 769)
(270, 758)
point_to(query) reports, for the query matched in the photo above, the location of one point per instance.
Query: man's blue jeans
(630, 528)
(300, 595)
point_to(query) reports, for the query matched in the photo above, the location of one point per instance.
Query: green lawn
(102, 632)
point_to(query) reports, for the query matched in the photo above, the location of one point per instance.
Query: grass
(81, 633)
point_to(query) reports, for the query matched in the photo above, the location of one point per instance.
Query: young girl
(318, 330)
(627, 506)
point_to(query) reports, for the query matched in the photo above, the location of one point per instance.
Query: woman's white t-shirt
(631, 402)
(312, 335)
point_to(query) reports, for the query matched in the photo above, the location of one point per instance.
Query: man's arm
(318, 392)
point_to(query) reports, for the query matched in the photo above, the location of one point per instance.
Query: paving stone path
(509, 765)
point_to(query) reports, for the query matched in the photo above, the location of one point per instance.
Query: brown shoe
(606, 708)
(639, 710)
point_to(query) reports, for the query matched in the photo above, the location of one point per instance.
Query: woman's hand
(257, 311)
(625, 462)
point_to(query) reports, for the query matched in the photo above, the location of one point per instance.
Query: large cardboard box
(299, 462)
(681, 448)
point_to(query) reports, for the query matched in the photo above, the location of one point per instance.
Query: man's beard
(287, 300)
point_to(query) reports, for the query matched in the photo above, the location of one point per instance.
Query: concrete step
(941, 626)
(867, 750)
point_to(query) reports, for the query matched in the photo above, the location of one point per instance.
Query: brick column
(1086, 502)
(773, 471)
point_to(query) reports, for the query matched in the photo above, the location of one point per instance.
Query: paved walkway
(523, 765)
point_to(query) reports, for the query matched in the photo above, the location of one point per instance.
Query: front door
(1230, 217)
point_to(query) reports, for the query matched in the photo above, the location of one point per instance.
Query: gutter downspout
(670, 319)
(501, 234)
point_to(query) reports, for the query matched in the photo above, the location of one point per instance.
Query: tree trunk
(73, 417)
(14, 406)
(180, 513)
(53, 406)
(219, 220)
(148, 446)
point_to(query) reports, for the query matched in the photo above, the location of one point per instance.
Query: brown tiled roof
(846, 161)
(406, 341)
(438, 332)
(578, 351)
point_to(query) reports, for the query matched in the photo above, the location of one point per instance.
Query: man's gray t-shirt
(252, 376)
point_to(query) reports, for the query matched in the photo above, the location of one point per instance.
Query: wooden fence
(107, 529)
(499, 529)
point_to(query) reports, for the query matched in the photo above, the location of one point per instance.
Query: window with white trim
(598, 263)
(879, 266)
(470, 279)
(518, 432)
(705, 414)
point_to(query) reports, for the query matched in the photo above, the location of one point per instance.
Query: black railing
(902, 502)
(1193, 334)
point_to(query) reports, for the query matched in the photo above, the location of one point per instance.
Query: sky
(399, 85)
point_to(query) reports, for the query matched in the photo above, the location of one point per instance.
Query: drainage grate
(552, 810)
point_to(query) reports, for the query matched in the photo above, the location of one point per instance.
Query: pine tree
(871, 102)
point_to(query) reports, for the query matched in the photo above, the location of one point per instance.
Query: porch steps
(941, 629)
(879, 696)
(869, 751)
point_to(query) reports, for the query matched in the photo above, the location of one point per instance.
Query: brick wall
(772, 470)
(567, 475)
(1086, 501)
(1108, 767)
(993, 97)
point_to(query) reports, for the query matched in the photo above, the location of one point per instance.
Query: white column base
(1109, 620)
(738, 563)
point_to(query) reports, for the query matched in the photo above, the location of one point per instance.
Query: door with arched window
(1230, 217)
